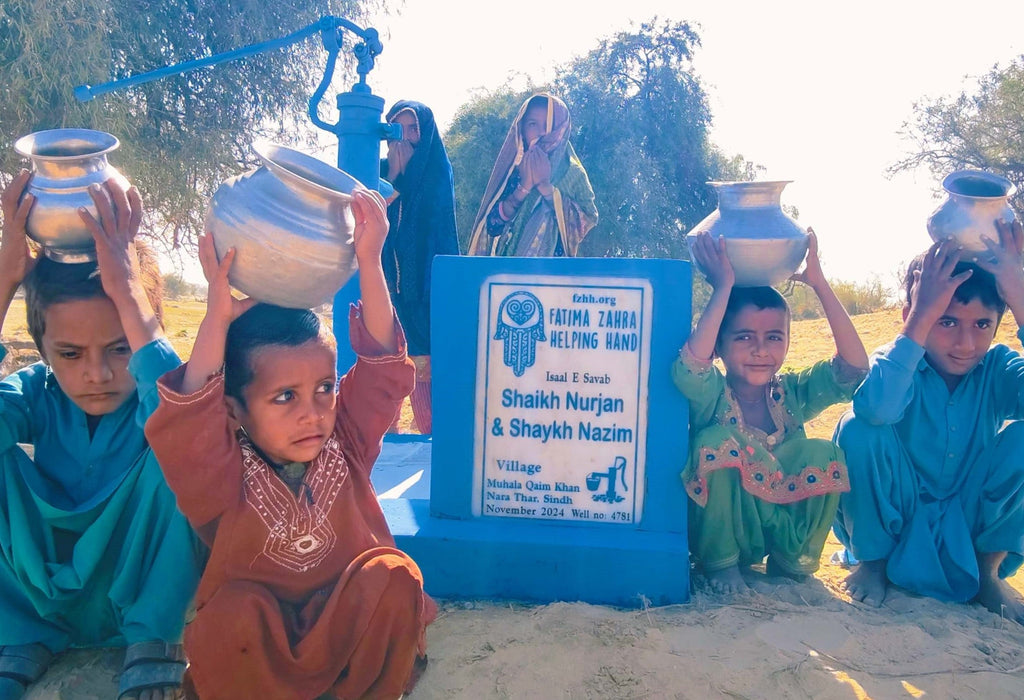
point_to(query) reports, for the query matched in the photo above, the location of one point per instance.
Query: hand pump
(359, 128)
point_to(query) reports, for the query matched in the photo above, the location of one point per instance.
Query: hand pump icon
(615, 473)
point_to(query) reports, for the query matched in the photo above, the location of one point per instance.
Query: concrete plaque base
(540, 562)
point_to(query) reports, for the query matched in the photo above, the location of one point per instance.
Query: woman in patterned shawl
(538, 201)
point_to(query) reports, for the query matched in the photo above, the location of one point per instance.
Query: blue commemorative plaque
(558, 435)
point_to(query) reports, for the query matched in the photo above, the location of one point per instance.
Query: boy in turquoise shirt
(935, 442)
(92, 547)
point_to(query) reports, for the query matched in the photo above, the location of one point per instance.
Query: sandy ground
(783, 640)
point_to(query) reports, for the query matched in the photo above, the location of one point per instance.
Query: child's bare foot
(995, 593)
(773, 569)
(999, 597)
(867, 583)
(727, 580)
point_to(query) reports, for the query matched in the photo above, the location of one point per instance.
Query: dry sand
(782, 640)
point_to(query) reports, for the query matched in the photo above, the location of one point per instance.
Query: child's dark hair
(50, 283)
(981, 285)
(260, 326)
(758, 297)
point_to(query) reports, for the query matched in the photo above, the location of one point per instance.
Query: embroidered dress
(936, 476)
(538, 228)
(757, 493)
(92, 547)
(304, 593)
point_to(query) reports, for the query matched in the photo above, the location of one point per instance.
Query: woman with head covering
(422, 224)
(538, 201)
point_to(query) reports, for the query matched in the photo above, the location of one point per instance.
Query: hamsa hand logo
(521, 325)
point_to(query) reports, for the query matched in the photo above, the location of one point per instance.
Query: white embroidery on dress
(300, 535)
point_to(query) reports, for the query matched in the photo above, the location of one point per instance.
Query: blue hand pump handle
(359, 129)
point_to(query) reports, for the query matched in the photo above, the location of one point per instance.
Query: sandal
(21, 666)
(149, 666)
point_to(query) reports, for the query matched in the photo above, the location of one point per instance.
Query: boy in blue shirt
(92, 547)
(935, 442)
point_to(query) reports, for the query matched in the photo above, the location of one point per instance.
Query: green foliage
(640, 120)
(181, 136)
(984, 130)
(700, 295)
(856, 298)
(177, 287)
(803, 302)
(863, 297)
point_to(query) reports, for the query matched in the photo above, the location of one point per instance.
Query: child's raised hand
(811, 274)
(1005, 261)
(221, 306)
(935, 283)
(221, 309)
(15, 257)
(714, 261)
(371, 216)
(371, 230)
(114, 232)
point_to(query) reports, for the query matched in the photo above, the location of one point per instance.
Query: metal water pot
(764, 244)
(290, 222)
(65, 162)
(976, 200)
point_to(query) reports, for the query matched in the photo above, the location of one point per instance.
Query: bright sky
(814, 91)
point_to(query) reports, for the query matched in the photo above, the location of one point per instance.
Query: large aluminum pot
(976, 200)
(290, 223)
(65, 162)
(764, 244)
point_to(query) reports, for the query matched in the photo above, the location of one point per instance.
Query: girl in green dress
(760, 487)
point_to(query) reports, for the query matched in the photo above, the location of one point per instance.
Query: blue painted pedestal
(464, 551)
